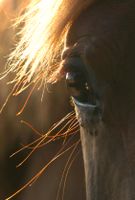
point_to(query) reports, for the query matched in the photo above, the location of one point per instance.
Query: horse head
(99, 63)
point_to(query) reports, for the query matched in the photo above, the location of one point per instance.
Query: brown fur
(104, 37)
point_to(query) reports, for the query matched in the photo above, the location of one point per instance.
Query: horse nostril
(79, 88)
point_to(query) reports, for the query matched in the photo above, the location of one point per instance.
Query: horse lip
(84, 105)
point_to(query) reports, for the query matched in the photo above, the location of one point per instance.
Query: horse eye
(79, 88)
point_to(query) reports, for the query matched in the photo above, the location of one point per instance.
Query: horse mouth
(86, 105)
(88, 115)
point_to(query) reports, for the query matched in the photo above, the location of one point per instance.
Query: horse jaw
(107, 164)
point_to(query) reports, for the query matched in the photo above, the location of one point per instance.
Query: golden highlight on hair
(44, 25)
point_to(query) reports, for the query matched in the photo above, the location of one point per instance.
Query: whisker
(67, 172)
(7, 99)
(32, 180)
(40, 140)
(27, 99)
(65, 168)
(31, 127)
(57, 138)
(42, 136)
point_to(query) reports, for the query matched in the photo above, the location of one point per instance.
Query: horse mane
(43, 28)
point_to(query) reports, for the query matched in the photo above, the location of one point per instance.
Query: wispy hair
(43, 28)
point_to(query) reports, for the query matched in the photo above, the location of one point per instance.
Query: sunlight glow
(41, 37)
(46, 11)
(1, 2)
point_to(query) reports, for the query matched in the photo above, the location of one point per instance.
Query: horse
(91, 45)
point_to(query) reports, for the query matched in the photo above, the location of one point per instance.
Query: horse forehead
(103, 18)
